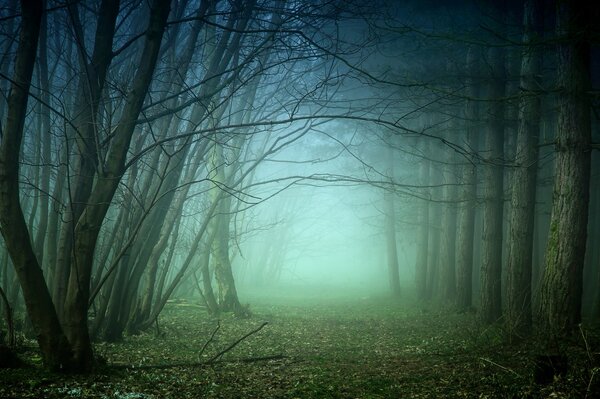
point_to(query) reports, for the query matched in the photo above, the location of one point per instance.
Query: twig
(212, 336)
(234, 344)
(589, 385)
(587, 348)
(501, 366)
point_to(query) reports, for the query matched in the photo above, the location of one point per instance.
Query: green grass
(334, 347)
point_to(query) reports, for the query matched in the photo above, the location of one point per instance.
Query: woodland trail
(310, 348)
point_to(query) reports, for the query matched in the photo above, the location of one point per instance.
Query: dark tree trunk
(522, 211)
(491, 265)
(46, 133)
(468, 196)
(560, 296)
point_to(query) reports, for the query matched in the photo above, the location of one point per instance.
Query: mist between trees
(443, 150)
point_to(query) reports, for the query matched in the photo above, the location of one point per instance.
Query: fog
(322, 230)
(415, 156)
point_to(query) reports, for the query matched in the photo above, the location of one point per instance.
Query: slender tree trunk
(560, 296)
(228, 299)
(113, 326)
(390, 230)
(209, 294)
(433, 257)
(491, 265)
(423, 230)
(8, 29)
(468, 194)
(522, 220)
(45, 142)
(449, 221)
(392, 252)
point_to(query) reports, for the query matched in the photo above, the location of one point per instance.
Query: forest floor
(325, 346)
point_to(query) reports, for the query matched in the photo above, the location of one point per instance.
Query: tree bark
(468, 194)
(491, 265)
(522, 220)
(561, 290)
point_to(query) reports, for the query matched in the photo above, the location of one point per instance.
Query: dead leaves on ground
(335, 349)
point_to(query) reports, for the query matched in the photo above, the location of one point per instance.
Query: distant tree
(423, 230)
(493, 177)
(468, 190)
(449, 224)
(434, 257)
(390, 227)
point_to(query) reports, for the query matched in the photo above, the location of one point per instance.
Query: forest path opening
(333, 346)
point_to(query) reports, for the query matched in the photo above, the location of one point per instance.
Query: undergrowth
(315, 348)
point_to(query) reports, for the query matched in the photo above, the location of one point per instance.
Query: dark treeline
(139, 141)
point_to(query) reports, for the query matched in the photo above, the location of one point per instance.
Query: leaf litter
(374, 348)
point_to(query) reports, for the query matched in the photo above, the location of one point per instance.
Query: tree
(522, 210)
(561, 290)
(467, 193)
(53, 343)
(491, 262)
(423, 231)
(390, 229)
(449, 225)
(66, 344)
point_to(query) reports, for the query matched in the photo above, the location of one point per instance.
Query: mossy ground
(333, 347)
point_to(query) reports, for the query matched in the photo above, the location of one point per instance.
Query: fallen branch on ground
(215, 359)
(212, 336)
(199, 364)
(234, 344)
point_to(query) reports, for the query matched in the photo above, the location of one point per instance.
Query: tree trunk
(560, 295)
(433, 257)
(423, 231)
(491, 265)
(228, 299)
(468, 195)
(448, 239)
(8, 28)
(208, 293)
(53, 343)
(390, 230)
(522, 220)
(45, 142)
